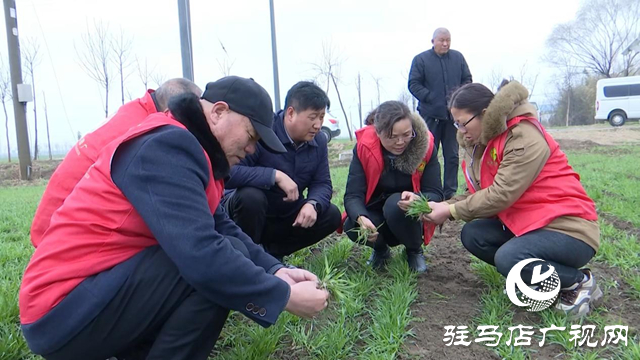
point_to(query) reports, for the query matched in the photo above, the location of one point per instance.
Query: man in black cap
(141, 261)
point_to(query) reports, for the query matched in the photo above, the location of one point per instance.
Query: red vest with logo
(83, 155)
(94, 230)
(554, 193)
(370, 155)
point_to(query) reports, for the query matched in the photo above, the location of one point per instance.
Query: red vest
(95, 229)
(554, 193)
(82, 156)
(370, 155)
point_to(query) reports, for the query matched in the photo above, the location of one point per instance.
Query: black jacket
(396, 176)
(433, 78)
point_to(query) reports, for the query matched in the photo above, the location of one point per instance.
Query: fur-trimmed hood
(509, 102)
(410, 159)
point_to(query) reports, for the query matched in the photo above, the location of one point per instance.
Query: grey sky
(377, 38)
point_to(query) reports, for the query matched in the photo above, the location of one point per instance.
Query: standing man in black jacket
(434, 75)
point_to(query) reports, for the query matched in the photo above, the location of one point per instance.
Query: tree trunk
(360, 99)
(46, 120)
(6, 125)
(122, 82)
(35, 120)
(342, 107)
(568, 106)
(106, 99)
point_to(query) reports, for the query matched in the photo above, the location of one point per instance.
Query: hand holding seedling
(439, 213)
(294, 276)
(418, 207)
(306, 300)
(367, 231)
(306, 217)
(287, 185)
(406, 199)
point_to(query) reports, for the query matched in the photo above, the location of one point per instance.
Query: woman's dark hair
(472, 97)
(387, 114)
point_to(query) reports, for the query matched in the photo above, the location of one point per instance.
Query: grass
(369, 315)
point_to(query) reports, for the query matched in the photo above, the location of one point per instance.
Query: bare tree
(329, 67)
(527, 79)
(95, 58)
(595, 39)
(121, 46)
(405, 97)
(346, 118)
(158, 78)
(495, 78)
(144, 72)
(329, 64)
(359, 88)
(5, 95)
(31, 55)
(46, 120)
(377, 80)
(226, 64)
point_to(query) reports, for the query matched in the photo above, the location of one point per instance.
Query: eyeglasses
(404, 138)
(462, 126)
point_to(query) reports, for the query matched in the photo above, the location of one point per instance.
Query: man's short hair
(306, 95)
(173, 87)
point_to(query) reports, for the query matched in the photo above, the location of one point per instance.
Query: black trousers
(248, 206)
(444, 132)
(397, 229)
(154, 315)
(494, 244)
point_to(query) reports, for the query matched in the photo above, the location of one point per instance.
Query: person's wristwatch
(314, 204)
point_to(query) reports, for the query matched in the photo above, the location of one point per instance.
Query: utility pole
(184, 15)
(19, 107)
(276, 80)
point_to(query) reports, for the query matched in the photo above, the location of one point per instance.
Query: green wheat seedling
(364, 233)
(419, 207)
(334, 281)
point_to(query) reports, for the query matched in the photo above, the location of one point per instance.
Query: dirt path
(448, 294)
(589, 136)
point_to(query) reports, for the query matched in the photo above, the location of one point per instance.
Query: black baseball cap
(248, 98)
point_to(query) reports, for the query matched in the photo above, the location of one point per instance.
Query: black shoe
(378, 258)
(416, 260)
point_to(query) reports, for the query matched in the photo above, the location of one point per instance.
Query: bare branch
(121, 46)
(95, 57)
(595, 39)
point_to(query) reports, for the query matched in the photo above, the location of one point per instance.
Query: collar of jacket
(509, 102)
(281, 131)
(187, 110)
(410, 159)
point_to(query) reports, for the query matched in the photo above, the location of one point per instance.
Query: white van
(618, 99)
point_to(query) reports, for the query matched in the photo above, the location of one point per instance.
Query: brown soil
(621, 225)
(40, 170)
(448, 294)
(624, 135)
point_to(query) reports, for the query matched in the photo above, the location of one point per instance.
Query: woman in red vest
(393, 161)
(524, 200)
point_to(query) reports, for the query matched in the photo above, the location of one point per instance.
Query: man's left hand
(294, 276)
(306, 217)
(439, 213)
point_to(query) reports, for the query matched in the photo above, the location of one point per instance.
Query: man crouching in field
(141, 261)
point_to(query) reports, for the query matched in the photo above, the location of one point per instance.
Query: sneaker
(580, 298)
(379, 258)
(416, 260)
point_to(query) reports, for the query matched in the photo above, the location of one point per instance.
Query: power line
(55, 74)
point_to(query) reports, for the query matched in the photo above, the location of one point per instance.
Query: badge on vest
(494, 157)
(422, 165)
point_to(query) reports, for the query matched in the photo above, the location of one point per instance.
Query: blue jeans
(495, 244)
